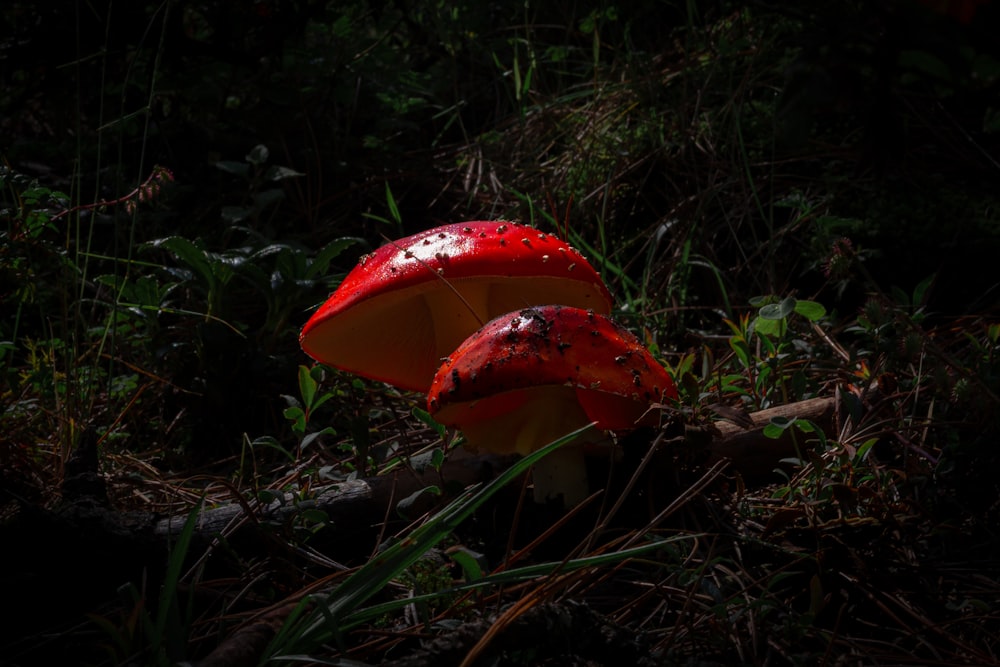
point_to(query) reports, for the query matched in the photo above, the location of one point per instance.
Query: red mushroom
(532, 376)
(411, 302)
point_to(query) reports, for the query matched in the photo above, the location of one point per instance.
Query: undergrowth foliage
(789, 205)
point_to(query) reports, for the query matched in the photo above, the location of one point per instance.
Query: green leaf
(266, 198)
(777, 426)
(473, 563)
(424, 417)
(310, 437)
(297, 416)
(765, 327)
(393, 208)
(191, 254)
(168, 609)
(321, 262)
(862, 451)
(270, 442)
(437, 458)
(526, 84)
(778, 311)
(233, 167)
(320, 401)
(259, 277)
(783, 422)
(234, 214)
(811, 310)
(821, 438)
(920, 291)
(517, 77)
(805, 426)
(258, 155)
(307, 387)
(271, 249)
(269, 496)
(924, 62)
(773, 431)
(314, 516)
(278, 173)
(742, 351)
(404, 506)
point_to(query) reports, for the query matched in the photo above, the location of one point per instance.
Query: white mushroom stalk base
(563, 473)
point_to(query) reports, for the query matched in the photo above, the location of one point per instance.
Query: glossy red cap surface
(506, 363)
(412, 301)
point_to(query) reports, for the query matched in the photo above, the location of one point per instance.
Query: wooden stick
(751, 453)
(754, 454)
(352, 501)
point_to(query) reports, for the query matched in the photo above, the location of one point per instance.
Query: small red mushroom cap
(533, 375)
(411, 302)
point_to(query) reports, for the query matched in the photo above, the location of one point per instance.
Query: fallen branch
(754, 454)
(351, 502)
(749, 451)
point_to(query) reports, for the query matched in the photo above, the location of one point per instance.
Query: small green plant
(766, 353)
(54, 338)
(33, 206)
(211, 272)
(427, 577)
(893, 323)
(772, 316)
(262, 182)
(832, 480)
(288, 276)
(157, 637)
(299, 413)
(395, 219)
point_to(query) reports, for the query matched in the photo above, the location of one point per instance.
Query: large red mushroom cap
(529, 377)
(411, 302)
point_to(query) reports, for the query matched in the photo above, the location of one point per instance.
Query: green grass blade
(508, 577)
(168, 610)
(325, 623)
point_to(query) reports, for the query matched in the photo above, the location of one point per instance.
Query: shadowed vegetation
(787, 204)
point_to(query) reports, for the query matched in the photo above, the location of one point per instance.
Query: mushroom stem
(541, 416)
(562, 473)
(531, 376)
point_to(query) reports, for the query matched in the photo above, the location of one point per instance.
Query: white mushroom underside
(401, 337)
